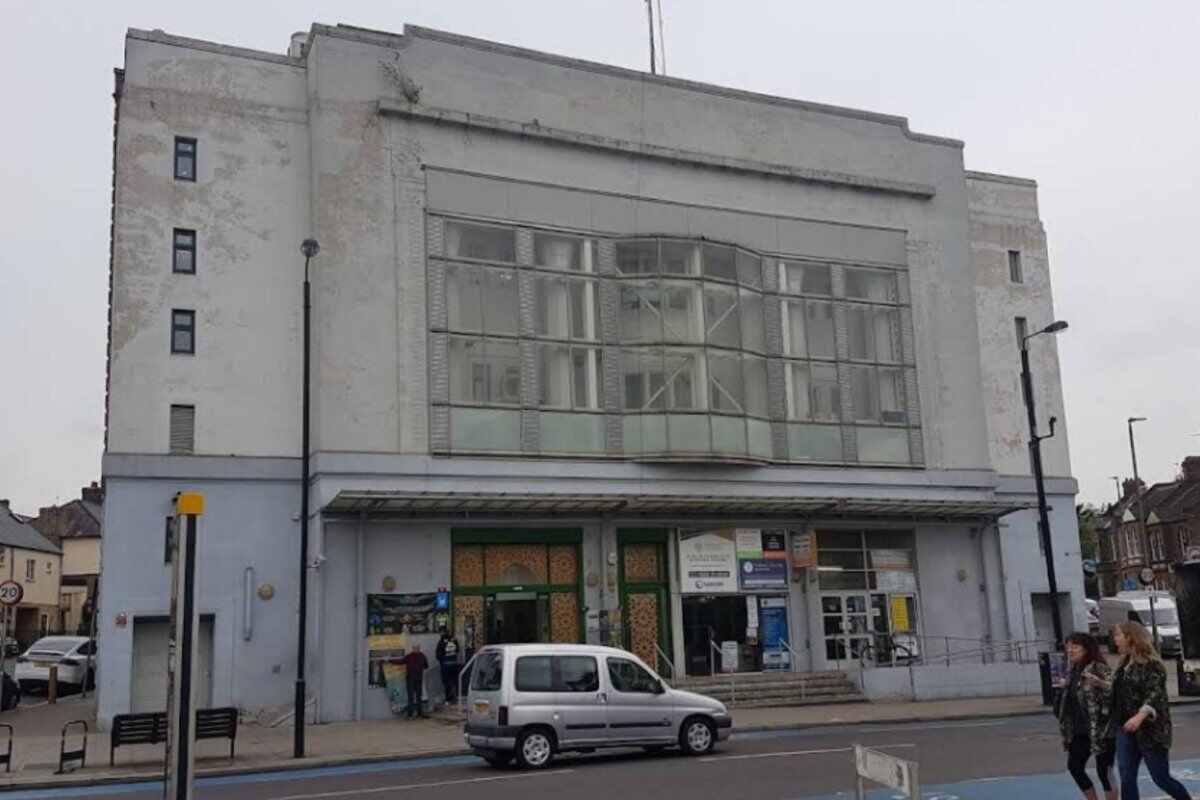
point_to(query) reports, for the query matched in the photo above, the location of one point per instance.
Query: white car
(75, 657)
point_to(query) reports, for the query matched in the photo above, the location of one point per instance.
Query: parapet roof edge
(997, 178)
(162, 37)
(431, 34)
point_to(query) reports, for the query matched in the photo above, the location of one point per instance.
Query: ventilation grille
(183, 429)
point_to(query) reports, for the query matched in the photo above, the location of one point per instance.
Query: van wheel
(535, 748)
(697, 736)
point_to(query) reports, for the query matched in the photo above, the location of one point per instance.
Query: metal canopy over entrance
(464, 504)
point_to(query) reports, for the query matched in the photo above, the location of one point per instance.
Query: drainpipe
(359, 671)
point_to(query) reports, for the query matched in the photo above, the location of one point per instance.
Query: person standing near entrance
(415, 665)
(447, 656)
(1084, 708)
(1141, 716)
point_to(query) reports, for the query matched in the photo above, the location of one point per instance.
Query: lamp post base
(299, 719)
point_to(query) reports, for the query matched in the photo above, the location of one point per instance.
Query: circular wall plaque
(389, 584)
(266, 591)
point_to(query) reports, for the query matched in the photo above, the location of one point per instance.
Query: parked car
(530, 701)
(75, 657)
(1136, 607)
(1093, 616)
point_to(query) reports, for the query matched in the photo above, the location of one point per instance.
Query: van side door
(639, 708)
(581, 701)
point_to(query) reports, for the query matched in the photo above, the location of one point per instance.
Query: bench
(151, 728)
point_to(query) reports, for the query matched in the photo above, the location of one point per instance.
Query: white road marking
(430, 785)
(801, 752)
(934, 727)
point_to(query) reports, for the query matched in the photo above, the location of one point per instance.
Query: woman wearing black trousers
(1083, 716)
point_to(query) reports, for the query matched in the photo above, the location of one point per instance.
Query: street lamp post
(310, 248)
(1035, 452)
(1143, 534)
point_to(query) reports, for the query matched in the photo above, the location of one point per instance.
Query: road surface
(974, 760)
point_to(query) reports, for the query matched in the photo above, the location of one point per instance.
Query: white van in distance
(1135, 607)
(530, 701)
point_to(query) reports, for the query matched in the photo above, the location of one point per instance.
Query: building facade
(1169, 534)
(75, 527)
(728, 379)
(34, 562)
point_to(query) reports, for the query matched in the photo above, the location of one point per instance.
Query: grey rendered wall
(950, 580)
(932, 682)
(368, 209)
(246, 523)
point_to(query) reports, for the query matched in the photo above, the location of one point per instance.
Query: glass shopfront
(868, 597)
(734, 583)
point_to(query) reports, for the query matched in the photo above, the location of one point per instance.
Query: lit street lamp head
(310, 248)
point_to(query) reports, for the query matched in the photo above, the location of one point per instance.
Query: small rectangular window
(185, 159)
(30, 570)
(183, 251)
(183, 430)
(1022, 328)
(183, 331)
(1014, 267)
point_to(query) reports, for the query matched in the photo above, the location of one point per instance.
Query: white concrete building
(596, 355)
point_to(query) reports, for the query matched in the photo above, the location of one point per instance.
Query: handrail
(795, 661)
(462, 697)
(663, 656)
(712, 648)
(985, 650)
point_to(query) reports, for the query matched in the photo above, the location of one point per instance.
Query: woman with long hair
(1141, 717)
(1083, 715)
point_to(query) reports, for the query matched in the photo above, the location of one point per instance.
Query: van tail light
(502, 718)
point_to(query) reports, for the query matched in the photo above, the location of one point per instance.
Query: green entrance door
(645, 607)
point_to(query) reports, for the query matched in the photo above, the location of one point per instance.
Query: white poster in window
(752, 612)
(708, 562)
(729, 656)
(896, 581)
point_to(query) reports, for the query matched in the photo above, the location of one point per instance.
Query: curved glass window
(667, 347)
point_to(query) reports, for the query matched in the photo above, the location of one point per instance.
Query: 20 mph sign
(11, 593)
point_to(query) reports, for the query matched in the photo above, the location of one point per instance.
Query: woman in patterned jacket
(1141, 717)
(1083, 715)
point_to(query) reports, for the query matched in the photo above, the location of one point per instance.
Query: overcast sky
(1098, 101)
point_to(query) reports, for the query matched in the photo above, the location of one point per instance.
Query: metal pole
(1035, 451)
(1153, 619)
(301, 638)
(650, 16)
(1143, 536)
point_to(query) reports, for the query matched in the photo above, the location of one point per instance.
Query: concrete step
(775, 689)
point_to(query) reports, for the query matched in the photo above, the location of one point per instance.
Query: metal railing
(948, 651)
(465, 672)
(712, 668)
(795, 664)
(668, 661)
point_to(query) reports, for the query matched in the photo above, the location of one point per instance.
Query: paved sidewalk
(261, 748)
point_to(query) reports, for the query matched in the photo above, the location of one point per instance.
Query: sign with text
(804, 550)
(886, 770)
(708, 561)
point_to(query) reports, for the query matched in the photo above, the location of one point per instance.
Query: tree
(1089, 543)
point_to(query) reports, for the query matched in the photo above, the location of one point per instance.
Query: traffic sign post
(11, 593)
(181, 649)
(884, 769)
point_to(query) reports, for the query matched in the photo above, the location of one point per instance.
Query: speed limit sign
(11, 593)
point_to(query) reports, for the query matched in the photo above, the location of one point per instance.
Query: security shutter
(183, 429)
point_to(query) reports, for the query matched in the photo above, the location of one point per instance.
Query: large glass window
(688, 321)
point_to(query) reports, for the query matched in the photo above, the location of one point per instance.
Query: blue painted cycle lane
(1058, 786)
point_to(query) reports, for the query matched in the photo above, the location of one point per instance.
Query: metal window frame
(176, 249)
(194, 155)
(190, 328)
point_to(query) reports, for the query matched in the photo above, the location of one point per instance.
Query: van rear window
(488, 672)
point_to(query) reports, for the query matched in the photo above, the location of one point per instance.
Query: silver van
(530, 701)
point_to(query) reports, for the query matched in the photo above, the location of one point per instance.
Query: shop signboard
(749, 543)
(708, 561)
(804, 550)
(896, 581)
(774, 545)
(763, 573)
